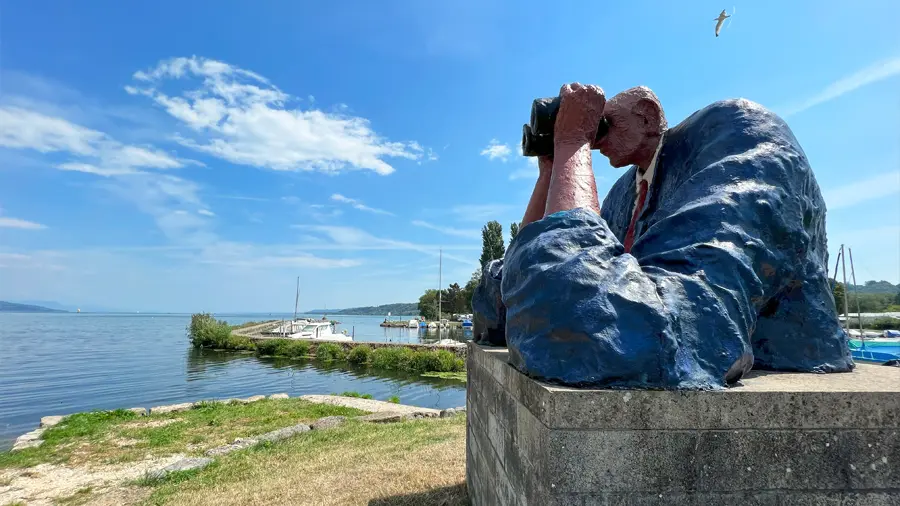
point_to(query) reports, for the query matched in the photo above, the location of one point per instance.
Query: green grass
(361, 354)
(100, 436)
(356, 395)
(394, 399)
(422, 455)
(458, 376)
(290, 348)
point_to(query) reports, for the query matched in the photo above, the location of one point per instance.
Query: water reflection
(203, 364)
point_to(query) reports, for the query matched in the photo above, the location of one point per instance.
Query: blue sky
(185, 156)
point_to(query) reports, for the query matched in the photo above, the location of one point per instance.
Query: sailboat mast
(855, 292)
(440, 280)
(846, 304)
(296, 298)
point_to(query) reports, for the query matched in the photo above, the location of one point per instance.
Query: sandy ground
(42, 484)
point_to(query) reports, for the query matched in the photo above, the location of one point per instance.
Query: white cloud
(875, 187)
(237, 115)
(98, 153)
(22, 224)
(356, 204)
(871, 74)
(206, 212)
(481, 212)
(350, 238)
(495, 150)
(458, 232)
(26, 129)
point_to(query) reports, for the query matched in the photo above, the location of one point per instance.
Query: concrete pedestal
(780, 438)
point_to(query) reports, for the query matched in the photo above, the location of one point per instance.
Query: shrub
(360, 354)
(356, 395)
(394, 399)
(239, 343)
(267, 347)
(297, 349)
(393, 358)
(330, 351)
(205, 331)
(884, 323)
(283, 348)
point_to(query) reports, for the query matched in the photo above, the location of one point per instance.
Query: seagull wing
(723, 12)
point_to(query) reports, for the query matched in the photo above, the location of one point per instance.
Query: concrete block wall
(777, 439)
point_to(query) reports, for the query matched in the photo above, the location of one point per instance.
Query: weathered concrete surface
(385, 417)
(238, 444)
(776, 439)
(50, 421)
(369, 405)
(139, 411)
(171, 408)
(278, 396)
(29, 440)
(188, 464)
(328, 422)
(279, 434)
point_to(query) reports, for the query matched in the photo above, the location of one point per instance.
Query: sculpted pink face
(636, 122)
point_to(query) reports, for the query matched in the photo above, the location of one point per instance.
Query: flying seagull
(719, 20)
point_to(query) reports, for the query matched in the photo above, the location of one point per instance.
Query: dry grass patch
(418, 462)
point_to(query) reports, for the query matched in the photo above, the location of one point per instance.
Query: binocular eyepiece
(537, 135)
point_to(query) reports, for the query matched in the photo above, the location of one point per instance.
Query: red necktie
(642, 196)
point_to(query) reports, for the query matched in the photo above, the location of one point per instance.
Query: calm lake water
(67, 363)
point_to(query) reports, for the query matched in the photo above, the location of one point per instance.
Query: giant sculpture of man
(707, 258)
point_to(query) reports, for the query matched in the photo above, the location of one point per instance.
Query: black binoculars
(537, 136)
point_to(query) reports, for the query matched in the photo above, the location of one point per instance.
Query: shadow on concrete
(454, 495)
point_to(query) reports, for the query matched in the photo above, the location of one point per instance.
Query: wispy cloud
(95, 152)
(458, 232)
(481, 212)
(875, 187)
(239, 116)
(873, 73)
(206, 212)
(495, 151)
(243, 197)
(22, 224)
(356, 204)
(351, 238)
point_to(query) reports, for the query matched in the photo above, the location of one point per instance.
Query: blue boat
(875, 350)
(467, 324)
(423, 324)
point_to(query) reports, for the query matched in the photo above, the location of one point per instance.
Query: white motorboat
(450, 342)
(413, 324)
(321, 331)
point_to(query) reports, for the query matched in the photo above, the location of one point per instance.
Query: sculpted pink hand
(572, 183)
(580, 110)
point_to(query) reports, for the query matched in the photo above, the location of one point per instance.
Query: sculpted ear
(649, 111)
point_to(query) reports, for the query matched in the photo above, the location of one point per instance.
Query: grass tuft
(356, 395)
(360, 355)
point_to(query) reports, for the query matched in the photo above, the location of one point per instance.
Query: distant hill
(51, 304)
(397, 309)
(877, 287)
(11, 307)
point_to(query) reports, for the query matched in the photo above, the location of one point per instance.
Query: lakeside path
(244, 451)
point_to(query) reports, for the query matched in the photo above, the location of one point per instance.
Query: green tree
(491, 242)
(897, 298)
(837, 289)
(513, 231)
(428, 306)
(469, 290)
(453, 300)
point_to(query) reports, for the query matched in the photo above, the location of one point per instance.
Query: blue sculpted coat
(727, 272)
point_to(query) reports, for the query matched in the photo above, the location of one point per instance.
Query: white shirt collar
(648, 174)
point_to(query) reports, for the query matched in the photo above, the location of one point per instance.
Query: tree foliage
(491, 242)
(428, 306)
(837, 289)
(513, 231)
